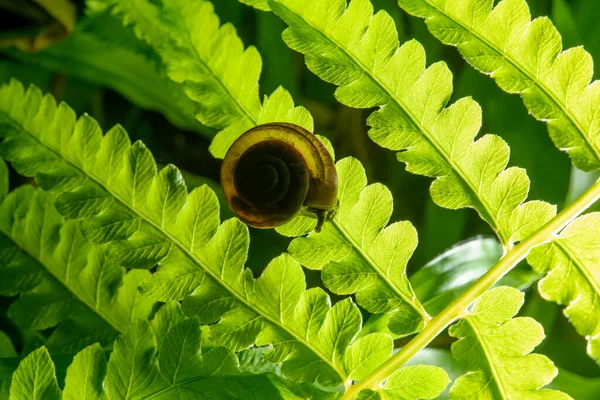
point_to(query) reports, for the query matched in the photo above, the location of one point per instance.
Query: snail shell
(275, 171)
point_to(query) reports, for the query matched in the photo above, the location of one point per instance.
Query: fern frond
(35, 378)
(358, 51)
(210, 61)
(525, 57)
(458, 307)
(106, 28)
(181, 369)
(139, 80)
(62, 279)
(411, 383)
(357, 253)
(494, 347)
(381, 288)
(349, 46)
(571, 265)
(145, 217)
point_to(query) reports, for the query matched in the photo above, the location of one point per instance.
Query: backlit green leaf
(359, 51)
(201, 263)
(217, 73)
(62, 279)
(35, 378)
(494, 347)
(571, 264)
(525, 57)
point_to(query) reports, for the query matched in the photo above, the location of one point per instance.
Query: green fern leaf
(182, 369)
(102, 51)
(35, 378)
(85, 375)
(358, 255)
(62, 279)
(168, 315)
(144, 217)
(358, 51)
(570, 263)
(381, 293)
(85, 56)
(258, 4)
(211, 63)
(495, 348)
(524, 57)
(410, 383)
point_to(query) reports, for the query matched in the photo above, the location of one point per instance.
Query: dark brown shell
(274, 171)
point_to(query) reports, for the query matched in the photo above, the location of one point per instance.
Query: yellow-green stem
(459, 306)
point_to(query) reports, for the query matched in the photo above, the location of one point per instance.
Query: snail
(276, 171)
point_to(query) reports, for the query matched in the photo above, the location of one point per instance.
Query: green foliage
(358, 254)
(34, 379)
(87, 57)
(446, 277)
(380, 287)
(223, 86)
(109, 235)
(570, 265)
(578, 387)
(182, 369)
(63, 279)
(524, 57)
(259, 4)
(494, 347)
(352, 48)
(84, 375)
(410, 383)
(358, 51)
(145, 217)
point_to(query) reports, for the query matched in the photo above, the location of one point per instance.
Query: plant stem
(459, 306)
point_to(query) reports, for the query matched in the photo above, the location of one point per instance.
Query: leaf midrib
(419, 308)
(178, 384)
(238, 104)
(571, 255)
(541, 85)
(487, 353)
(181, 247)
(64, 284)
(244, 112)
(413, 120)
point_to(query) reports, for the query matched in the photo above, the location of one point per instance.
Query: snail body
(275, 171)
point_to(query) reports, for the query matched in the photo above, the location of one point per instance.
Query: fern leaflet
(35, 378)
(495, 348)
(372, 71)
(140, 81)
(358, 254)
(381, 284)
(63, 280)
(570, 263)
(181, 369)
(213, 66)
(144, 217)
(358, 51)
(258, 4)
(525, 57)
(411, 383)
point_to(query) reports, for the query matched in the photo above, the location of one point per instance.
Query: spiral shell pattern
(273, 171)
